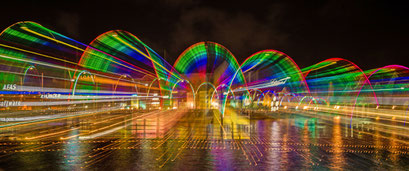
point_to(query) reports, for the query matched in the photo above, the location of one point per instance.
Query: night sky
(369, 33)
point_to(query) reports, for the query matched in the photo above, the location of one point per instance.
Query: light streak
(114, 76)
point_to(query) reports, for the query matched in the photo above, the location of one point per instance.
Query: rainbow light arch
(208, 58)
(284, 62)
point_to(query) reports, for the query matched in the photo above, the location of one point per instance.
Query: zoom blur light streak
(54, 77)
(44, 55)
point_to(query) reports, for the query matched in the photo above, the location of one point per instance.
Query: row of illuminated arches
(31, 67)
(171, 74)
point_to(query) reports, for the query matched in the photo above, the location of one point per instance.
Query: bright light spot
(274, 108)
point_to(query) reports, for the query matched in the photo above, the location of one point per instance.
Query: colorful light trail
(120, 94)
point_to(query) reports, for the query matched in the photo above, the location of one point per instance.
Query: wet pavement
(203, 140)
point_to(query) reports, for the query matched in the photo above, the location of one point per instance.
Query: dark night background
(369, 33)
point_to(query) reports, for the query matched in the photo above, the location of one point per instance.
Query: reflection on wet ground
(204, 140)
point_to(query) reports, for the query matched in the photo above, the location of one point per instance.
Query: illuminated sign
(9, 86)
(10, 103)
(50, 96)
(276, 82)
(87, 77)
